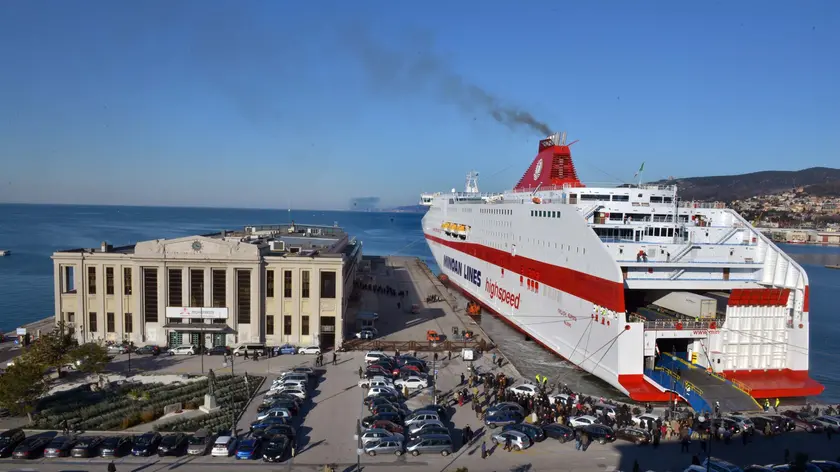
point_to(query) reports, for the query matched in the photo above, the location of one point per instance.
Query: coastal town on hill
(794, 216)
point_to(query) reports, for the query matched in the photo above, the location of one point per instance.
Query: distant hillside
(822, 181)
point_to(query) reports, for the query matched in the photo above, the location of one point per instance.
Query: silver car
(518, 440)
(384, 446)
(199, 443)
(431, 443)
(417, 427)
(744, 424)
(420, 416)
(376, 434)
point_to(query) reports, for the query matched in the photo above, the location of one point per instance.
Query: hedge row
(232, 399)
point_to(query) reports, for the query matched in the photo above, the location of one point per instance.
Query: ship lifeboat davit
(537, 200)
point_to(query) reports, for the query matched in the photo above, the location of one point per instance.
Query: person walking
(508, 443)
(334, 358)
(484, 449)
(494, 358)
(112, 467)
(361, 373)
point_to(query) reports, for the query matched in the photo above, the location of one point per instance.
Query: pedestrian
(484, 449)
(494, 358)
(334, 358)
(577, 439)
(436, 357)
(294, 448)
(361, 373)
(463, 379)
(112, 467)
(585, 441)
(449, 355)
(508, 443)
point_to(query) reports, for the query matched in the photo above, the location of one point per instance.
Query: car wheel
(372, 453)
(398, 453)
(495, 443)
(638, 442)
(415, 453)
(518, 448)
(492, 425)
(602, 441)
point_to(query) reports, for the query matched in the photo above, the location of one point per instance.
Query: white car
(310, 350)
(182, 350)
(291, 376)
(374, 356)
(830, 422)
(223, 446)
(275, 412)
(374, 391)
(412, 383)
(367, 333)
(518, 440)
(525, 389)
(562, 398)
(584, 420)
(647, 417)
(376, 382)
(290, 384)
(295, 392)
(116, 349)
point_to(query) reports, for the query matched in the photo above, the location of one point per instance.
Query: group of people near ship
(384, 289)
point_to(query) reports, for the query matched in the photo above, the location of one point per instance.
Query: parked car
(267, 423)
(248, 448)
(115, 446)
(182, 351)
(439, 409)
(634, 435)
(525, 389)
(392, 417)
(374, 356)
(148, 349)
(116, 349)
(519, 441)
(366, 333)
(388, 426)
(373, 435)
(785, 423)
(761, 423)
(384, 446)
(275, 413)
(506, 406)
(288, 349)
(420, 428)
(31, 447)
(304, 370)
(218, 351)
(559, 432)
(9, 440)
(431, 443)
(146, 444)
(598, 432)
(412, 383)
(804, 421)
(86, 446)
(199, 443)
(376, 381)
(275, 448)
(745, 424)
(829, 422)
(223, 446)
(502, 417)
(534, 432)
(583, 420)
(60, 446)
(172, 444)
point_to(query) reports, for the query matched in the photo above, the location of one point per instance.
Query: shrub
(148, 416)
(190, 405)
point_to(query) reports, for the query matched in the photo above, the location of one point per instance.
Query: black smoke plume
(415, 68)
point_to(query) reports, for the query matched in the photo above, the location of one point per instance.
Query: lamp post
(434, 373)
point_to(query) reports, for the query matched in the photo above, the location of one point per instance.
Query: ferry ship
(654, 295)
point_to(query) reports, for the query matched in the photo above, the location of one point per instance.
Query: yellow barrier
(693, 387)
(668, 371)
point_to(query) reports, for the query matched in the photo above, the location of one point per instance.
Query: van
(251, 348)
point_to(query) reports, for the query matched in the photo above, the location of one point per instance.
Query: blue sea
(34, 232)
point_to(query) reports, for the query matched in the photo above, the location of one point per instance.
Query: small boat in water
(832, 266)
(5, 252)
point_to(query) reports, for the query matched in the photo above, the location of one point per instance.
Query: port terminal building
(271, 284)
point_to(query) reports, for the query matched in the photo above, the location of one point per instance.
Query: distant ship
(612, 278)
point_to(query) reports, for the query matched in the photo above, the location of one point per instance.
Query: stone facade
(120, 294)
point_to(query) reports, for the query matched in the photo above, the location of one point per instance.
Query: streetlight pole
(708, 440)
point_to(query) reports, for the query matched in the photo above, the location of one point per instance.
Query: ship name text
(568, 316)
(465, 271)
(508, 298)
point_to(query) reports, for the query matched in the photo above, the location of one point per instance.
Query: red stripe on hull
(599, 291)
(777, 383)
(638, 388)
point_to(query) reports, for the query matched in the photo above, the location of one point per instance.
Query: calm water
(34, 232)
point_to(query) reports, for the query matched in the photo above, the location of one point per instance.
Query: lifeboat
(447, 228)
(461, 231)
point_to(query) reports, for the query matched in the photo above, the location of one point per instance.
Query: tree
(53, 349)
(22, 385)
(90, 357)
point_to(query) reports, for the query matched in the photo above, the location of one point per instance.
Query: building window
(176, 286)
(92, 322)
(71, 317)
(92, 280)
(243, 296)
(328, 284)
(304, 284)
(287, 325)
(269, 325)
(269, 283)
(197, 287)
(110, 324)
(127, 280)
(69, 279)
(287, 284)
(304, 325)
(150, 295)
(219, 288)
(128, 323)
(109, 281)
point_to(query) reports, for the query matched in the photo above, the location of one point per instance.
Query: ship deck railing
(663, 325)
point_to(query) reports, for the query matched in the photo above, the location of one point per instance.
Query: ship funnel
(556, 139)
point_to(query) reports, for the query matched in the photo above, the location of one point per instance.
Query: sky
(311, 104)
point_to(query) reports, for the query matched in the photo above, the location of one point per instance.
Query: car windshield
(5, 440)
(141, 441)
(57, 442)
(276, 443)
(247, 446)
(109, 442)
(198, 440)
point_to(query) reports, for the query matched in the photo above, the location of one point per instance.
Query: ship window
(668, 199)
(656, 199)
(621, 198)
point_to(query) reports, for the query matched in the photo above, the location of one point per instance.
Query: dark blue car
(497, 418)
(248, 448)
(288, 349)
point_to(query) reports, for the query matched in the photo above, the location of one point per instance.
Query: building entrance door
(175, 338)
(218, 339)
(195, 339)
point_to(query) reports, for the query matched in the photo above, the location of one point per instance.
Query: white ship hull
(556, 259)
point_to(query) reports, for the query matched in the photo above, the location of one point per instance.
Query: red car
(389, 426)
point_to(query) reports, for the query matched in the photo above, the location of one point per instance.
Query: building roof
(278, 240)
